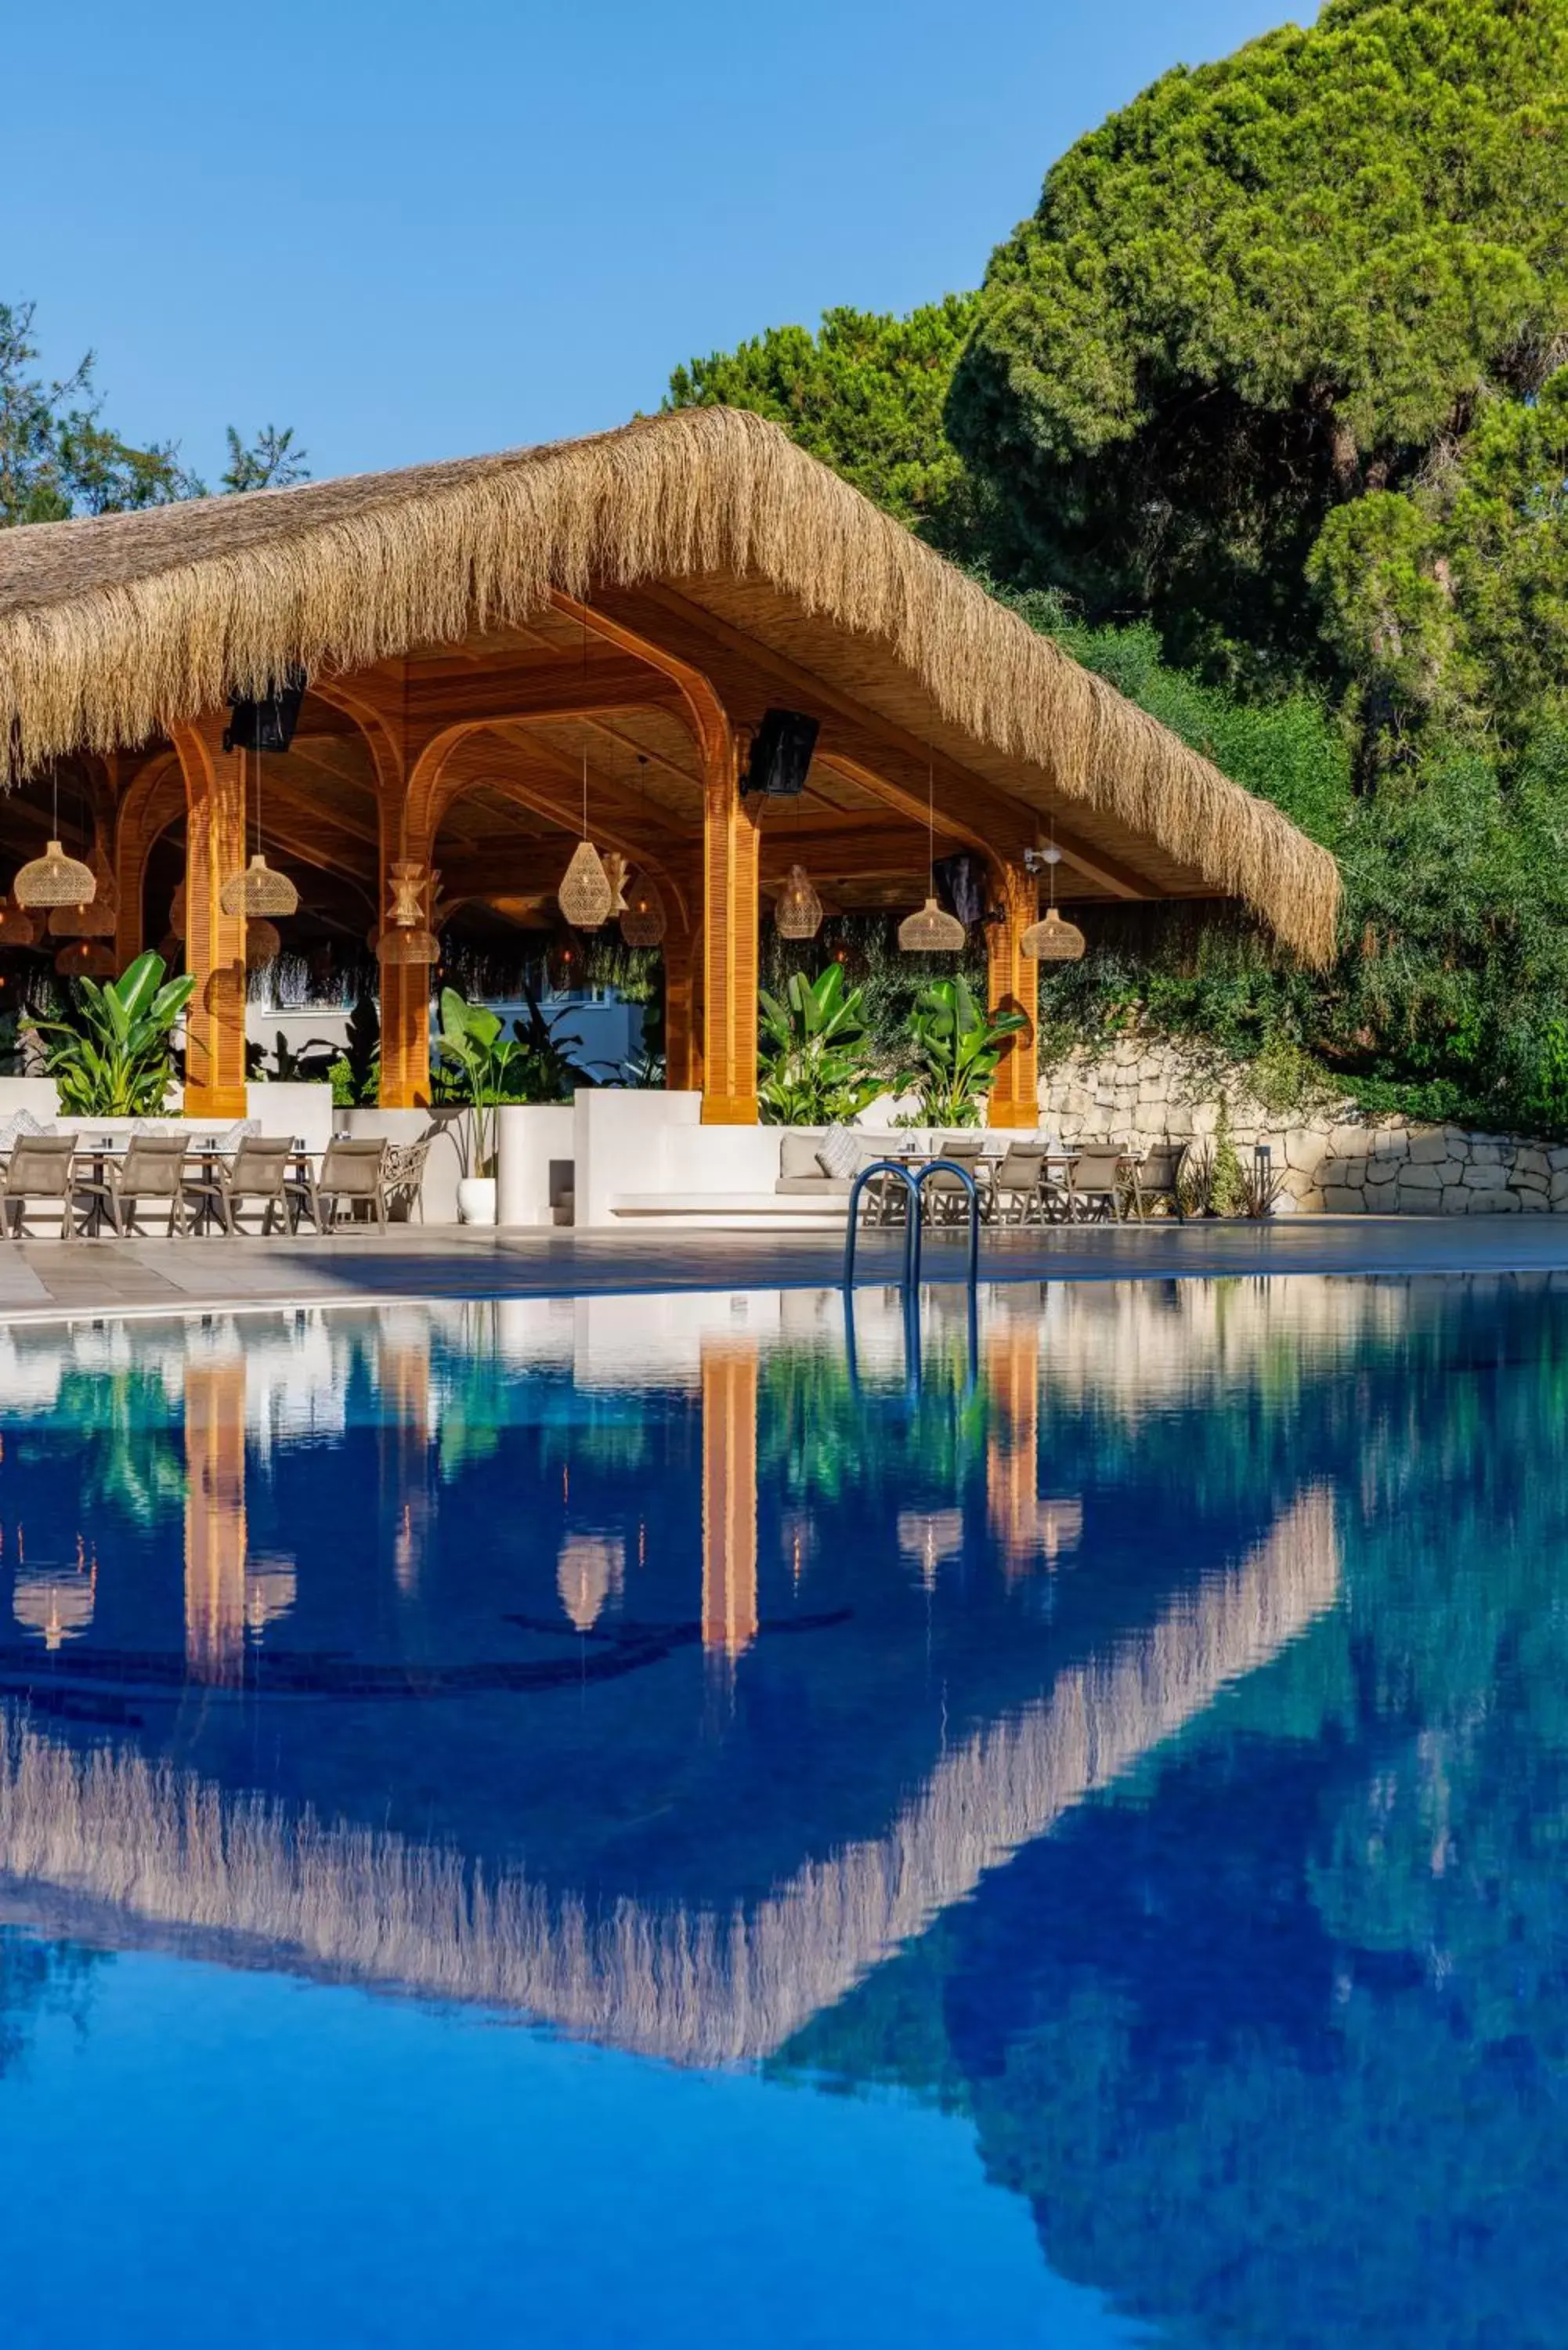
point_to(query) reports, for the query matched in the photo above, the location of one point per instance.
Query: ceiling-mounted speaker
(266, 723)
(782, 752)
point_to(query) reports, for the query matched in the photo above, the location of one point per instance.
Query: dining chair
(153, 1168)
(38, 1172)
(257, 1176)
(1096, 1185)
(1018, 1183)
(352, 1169)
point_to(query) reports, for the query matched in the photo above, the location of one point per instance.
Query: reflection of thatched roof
(113, 629)
(169, 1851)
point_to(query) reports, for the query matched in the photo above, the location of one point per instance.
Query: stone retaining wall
(1145, 1090)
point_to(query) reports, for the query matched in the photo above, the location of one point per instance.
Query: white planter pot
(476, 1199)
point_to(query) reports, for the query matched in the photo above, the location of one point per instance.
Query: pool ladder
(914, 1181)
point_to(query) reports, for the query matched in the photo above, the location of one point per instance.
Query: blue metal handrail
(882, 1167)
(912, 1255)
(914, 1184)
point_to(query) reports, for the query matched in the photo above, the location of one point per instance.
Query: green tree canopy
(1449, 600)
(58, 459)
(1269, 286)
(866, 394)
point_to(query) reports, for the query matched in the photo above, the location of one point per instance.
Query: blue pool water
(582, 1821)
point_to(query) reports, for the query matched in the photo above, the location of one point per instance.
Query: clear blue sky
(419, 231)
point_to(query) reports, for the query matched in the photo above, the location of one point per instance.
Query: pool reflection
(1140, 1732)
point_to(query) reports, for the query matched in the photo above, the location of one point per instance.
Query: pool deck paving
(51, 1280)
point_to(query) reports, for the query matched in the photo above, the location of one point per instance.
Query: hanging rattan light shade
(18, 928)
(259, 890)
(1051, 940)
(584, 896)
(931, 931)
(406, 945)
(797, 909)
(643, 920)
(55, 879)
(85, 959)
(177, 912)
(98, 920)
(264, 943)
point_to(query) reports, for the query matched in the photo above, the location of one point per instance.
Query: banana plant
(481, 1057)
(110, 1056)
(958, 1045)
(815, 1063)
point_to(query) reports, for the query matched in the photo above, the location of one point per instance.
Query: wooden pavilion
(478, 636)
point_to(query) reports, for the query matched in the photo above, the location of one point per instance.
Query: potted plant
(479, 1057)
(112, 1056)
(956, 1046)
(814, 1065)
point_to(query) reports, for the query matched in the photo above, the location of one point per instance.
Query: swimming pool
(591, 1819)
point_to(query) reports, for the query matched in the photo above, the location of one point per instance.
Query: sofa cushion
(798, 1150)
(814, 1187)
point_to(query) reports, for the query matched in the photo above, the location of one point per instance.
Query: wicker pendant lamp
(177, 914)
(86, 958)
(18, 928)
(406, 941)
(264, 943)
(931, 931)
(258, 892)
(96, 919)
(1051, 940)
(644, 921)
(797, 908)
(586, 897)
(55, 879)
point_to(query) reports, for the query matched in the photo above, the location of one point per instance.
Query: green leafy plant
(479, 1057)
(815, 1061)
(958, 1045)
(543, 1068)
(111, 1057)
(483, 1068)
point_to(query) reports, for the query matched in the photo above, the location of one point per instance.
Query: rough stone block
(1429, 1148)
(1485, 1175)
(1420, 1177)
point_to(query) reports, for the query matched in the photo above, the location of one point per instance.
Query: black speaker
(781, 754)
(268, 723)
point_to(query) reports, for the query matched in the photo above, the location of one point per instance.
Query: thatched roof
(114, 629)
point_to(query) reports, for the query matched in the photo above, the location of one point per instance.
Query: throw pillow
(838, 1153)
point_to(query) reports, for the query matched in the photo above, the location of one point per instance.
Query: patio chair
(944, 1196)
(38, 1169)
(352, 1168)
(257, 1176)
(153, 1168)
(1157, 1175)
(1018, 1183)
(403, 1179)
(1096, 1186)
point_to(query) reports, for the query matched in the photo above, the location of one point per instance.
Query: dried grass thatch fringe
(169, 1850)
(115, 629)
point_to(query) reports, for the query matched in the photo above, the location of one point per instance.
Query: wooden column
(405, 1035)
(731, 906)
(215, 1538)
(729, 1496)
(682, 1056)
(1012, 984)
(214, 941)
